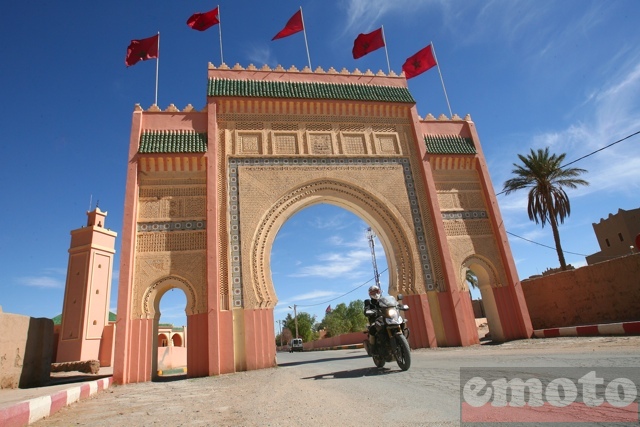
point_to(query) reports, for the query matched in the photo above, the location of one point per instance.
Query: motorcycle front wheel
(378, 361)
(403, 353)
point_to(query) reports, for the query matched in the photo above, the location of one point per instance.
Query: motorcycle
(390, 332)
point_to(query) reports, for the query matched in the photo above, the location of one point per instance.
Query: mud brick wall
(607, 292)
(26, 344)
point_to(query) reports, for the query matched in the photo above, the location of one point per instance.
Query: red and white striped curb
(30, 411)
(625, 328)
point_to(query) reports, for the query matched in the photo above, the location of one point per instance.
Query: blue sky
(558, 74)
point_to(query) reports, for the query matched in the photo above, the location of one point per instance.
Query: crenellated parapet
(307, 70)
(171, 108)
(443, 118)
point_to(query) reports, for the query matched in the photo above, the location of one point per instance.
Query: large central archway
(375, 212)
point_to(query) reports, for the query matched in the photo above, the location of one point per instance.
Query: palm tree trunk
(556, 238)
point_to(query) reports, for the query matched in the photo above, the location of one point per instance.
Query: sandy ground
(286, 397)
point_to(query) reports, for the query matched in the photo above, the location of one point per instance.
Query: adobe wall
(26, 345)
(345, 339)
(606, 292)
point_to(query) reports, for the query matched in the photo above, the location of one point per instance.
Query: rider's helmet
(374, 292)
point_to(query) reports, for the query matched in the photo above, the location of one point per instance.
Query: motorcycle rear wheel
(403, 352)
(378, 361)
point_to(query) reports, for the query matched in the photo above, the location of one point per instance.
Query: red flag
(141, 50)
(204, 21)
(294, 25)
(366, 43)
(328, 310)
(419, 63)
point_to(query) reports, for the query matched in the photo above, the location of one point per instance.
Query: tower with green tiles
(207, 192)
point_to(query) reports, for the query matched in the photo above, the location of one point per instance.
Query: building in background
(616, 235)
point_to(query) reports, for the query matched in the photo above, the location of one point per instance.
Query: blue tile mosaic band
(171, 226)
(464, 215)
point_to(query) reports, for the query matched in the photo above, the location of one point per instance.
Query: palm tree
(471, 279)
(542, 174)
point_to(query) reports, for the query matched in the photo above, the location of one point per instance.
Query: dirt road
(334, 388)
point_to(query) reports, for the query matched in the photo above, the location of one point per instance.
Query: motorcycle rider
(371, 307)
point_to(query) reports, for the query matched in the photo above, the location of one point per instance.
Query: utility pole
(376, 275)
(295, 317)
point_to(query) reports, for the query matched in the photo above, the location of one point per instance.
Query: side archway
(151, 309)
(488, 280)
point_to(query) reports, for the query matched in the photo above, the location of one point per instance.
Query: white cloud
(46, 282)
(363, 15)
(313, 295)
(335, 222)
(260, 55)
(334, 265)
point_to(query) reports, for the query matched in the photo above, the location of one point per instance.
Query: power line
(600, 149)
(546, 246)
(340, 296)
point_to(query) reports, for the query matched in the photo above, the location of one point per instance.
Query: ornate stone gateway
(207, 192)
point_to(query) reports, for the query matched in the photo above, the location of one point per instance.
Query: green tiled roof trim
(308, 90)
(449, 144)
(170, 141)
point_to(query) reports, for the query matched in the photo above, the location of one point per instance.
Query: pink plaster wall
(197, 345)
(171, 358)
(422, 333)
(606, 292)
(259, 339)
(107, 344)
(344, 339)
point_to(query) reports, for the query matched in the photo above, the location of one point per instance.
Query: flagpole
(157, 67)
(304, 29)
(385, 48)
(220, 33)
(443, 88)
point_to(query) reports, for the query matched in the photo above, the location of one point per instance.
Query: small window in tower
(608, 244)
(99, 265)
(95, 322)
(97, 291)
(620, 237)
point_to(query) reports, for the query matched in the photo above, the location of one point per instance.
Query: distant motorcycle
(390, 332)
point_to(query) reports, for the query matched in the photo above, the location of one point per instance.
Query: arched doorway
(176, 296)
(487, 280)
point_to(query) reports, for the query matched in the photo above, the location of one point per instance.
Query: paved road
(336, 387)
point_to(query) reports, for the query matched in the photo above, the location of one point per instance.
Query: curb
(624, 328)
(32, 410)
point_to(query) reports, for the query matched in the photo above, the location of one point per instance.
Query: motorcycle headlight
(392, 312)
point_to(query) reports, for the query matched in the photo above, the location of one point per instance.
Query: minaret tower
(85, 312)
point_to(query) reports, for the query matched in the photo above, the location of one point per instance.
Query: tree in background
(471, 279)
(543, 175)
(286, 337)
(344, 319)
(306, 324)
